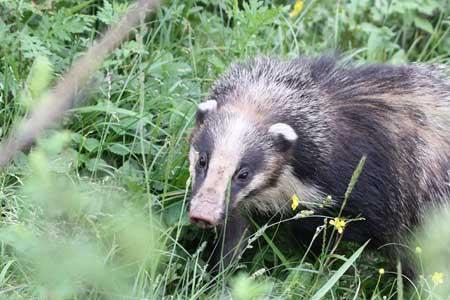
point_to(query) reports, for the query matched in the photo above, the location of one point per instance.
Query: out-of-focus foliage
(432, 254)
(98, 211)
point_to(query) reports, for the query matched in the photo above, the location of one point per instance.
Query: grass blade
(332, 281)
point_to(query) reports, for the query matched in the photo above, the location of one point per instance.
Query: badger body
(270, 129)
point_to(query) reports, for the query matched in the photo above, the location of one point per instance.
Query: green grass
(97, 211)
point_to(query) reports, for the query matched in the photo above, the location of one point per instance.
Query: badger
(273, 128)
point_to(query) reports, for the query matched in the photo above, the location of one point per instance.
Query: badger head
(234, 156)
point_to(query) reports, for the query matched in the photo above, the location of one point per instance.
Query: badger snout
(202, 221)
(205, 213)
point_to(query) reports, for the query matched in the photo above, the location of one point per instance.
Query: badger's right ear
(284, 136)
(204, 109)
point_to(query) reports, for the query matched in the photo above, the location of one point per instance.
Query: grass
(97, 210)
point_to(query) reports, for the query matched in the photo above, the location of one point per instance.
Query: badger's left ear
(204, 109)
(284, 136)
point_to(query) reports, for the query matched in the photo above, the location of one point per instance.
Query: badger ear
(204, 109)
(284, 136)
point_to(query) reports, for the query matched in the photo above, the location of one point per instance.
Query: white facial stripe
(222, 164)
(230, 144)
(285, 130)
(225, 158)
(211, 196)
(209, 105)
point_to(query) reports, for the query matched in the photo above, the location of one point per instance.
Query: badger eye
(202, 161)
(243, 174)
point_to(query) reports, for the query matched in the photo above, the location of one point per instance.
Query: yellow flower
(298, 7)
(295, 202)
(418, 250)
(438, 278)
(381, 271)
(339, 224)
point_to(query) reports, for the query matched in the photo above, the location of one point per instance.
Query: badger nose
(201, 221)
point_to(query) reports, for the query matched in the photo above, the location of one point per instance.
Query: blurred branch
(52, 107)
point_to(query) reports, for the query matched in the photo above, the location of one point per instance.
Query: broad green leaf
(90, 144)
(95, 164)
(423, 24)
(119, 149)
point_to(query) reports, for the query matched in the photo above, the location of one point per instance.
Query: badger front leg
(231, 242)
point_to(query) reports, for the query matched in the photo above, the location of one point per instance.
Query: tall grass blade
(332, 281)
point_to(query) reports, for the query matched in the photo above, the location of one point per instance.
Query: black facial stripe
(253, 159)
(204, 143)
(200, 116)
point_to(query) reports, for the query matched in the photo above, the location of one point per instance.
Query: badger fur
(270, 129)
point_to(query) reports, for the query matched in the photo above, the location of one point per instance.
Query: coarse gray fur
(301, 127)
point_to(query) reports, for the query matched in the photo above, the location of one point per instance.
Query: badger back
(399, 117)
